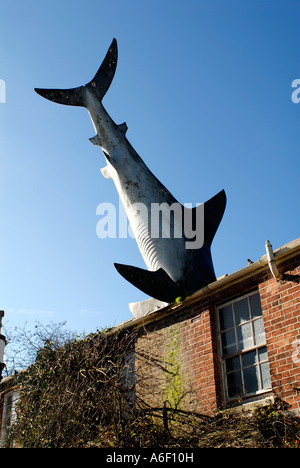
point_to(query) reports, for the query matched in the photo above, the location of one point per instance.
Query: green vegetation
(173, 378)
(72, 391)
(78, 394)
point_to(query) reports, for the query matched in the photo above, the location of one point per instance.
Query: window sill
(251, 402)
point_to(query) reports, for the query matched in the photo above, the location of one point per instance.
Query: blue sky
(205, 88)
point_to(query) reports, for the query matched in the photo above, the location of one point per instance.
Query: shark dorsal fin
(213, 213)
(123, 127)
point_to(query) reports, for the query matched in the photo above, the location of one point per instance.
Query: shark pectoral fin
(156, 284)
(213, 213)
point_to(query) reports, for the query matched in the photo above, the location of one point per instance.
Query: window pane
(249, 359)
(228, 342)
(265, 375)
(255, 306)
(251, 379)
(262, 354)
(233, 364)
(226, 317)
(241, 311)
(235, 386)
(244, 336)
(259, 331)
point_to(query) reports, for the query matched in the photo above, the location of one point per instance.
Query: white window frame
(239, 353)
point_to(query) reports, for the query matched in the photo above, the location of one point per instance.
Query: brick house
(235, 342)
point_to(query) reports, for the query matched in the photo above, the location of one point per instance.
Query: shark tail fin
(100, 83)
(70, 97)
(104, 76)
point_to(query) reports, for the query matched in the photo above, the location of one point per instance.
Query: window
(9, 413)
(127, 377)
(243, 347)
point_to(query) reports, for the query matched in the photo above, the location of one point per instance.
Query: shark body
(172, 269)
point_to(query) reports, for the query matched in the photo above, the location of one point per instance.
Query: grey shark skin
(173, 270)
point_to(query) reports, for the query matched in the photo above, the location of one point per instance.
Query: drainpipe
(272, 262)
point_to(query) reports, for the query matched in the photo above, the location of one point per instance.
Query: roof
(281, 254)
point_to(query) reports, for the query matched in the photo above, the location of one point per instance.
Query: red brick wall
(281, 310)
(182, 368)
(199, 359)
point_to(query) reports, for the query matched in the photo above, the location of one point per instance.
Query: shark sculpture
(175, 265)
